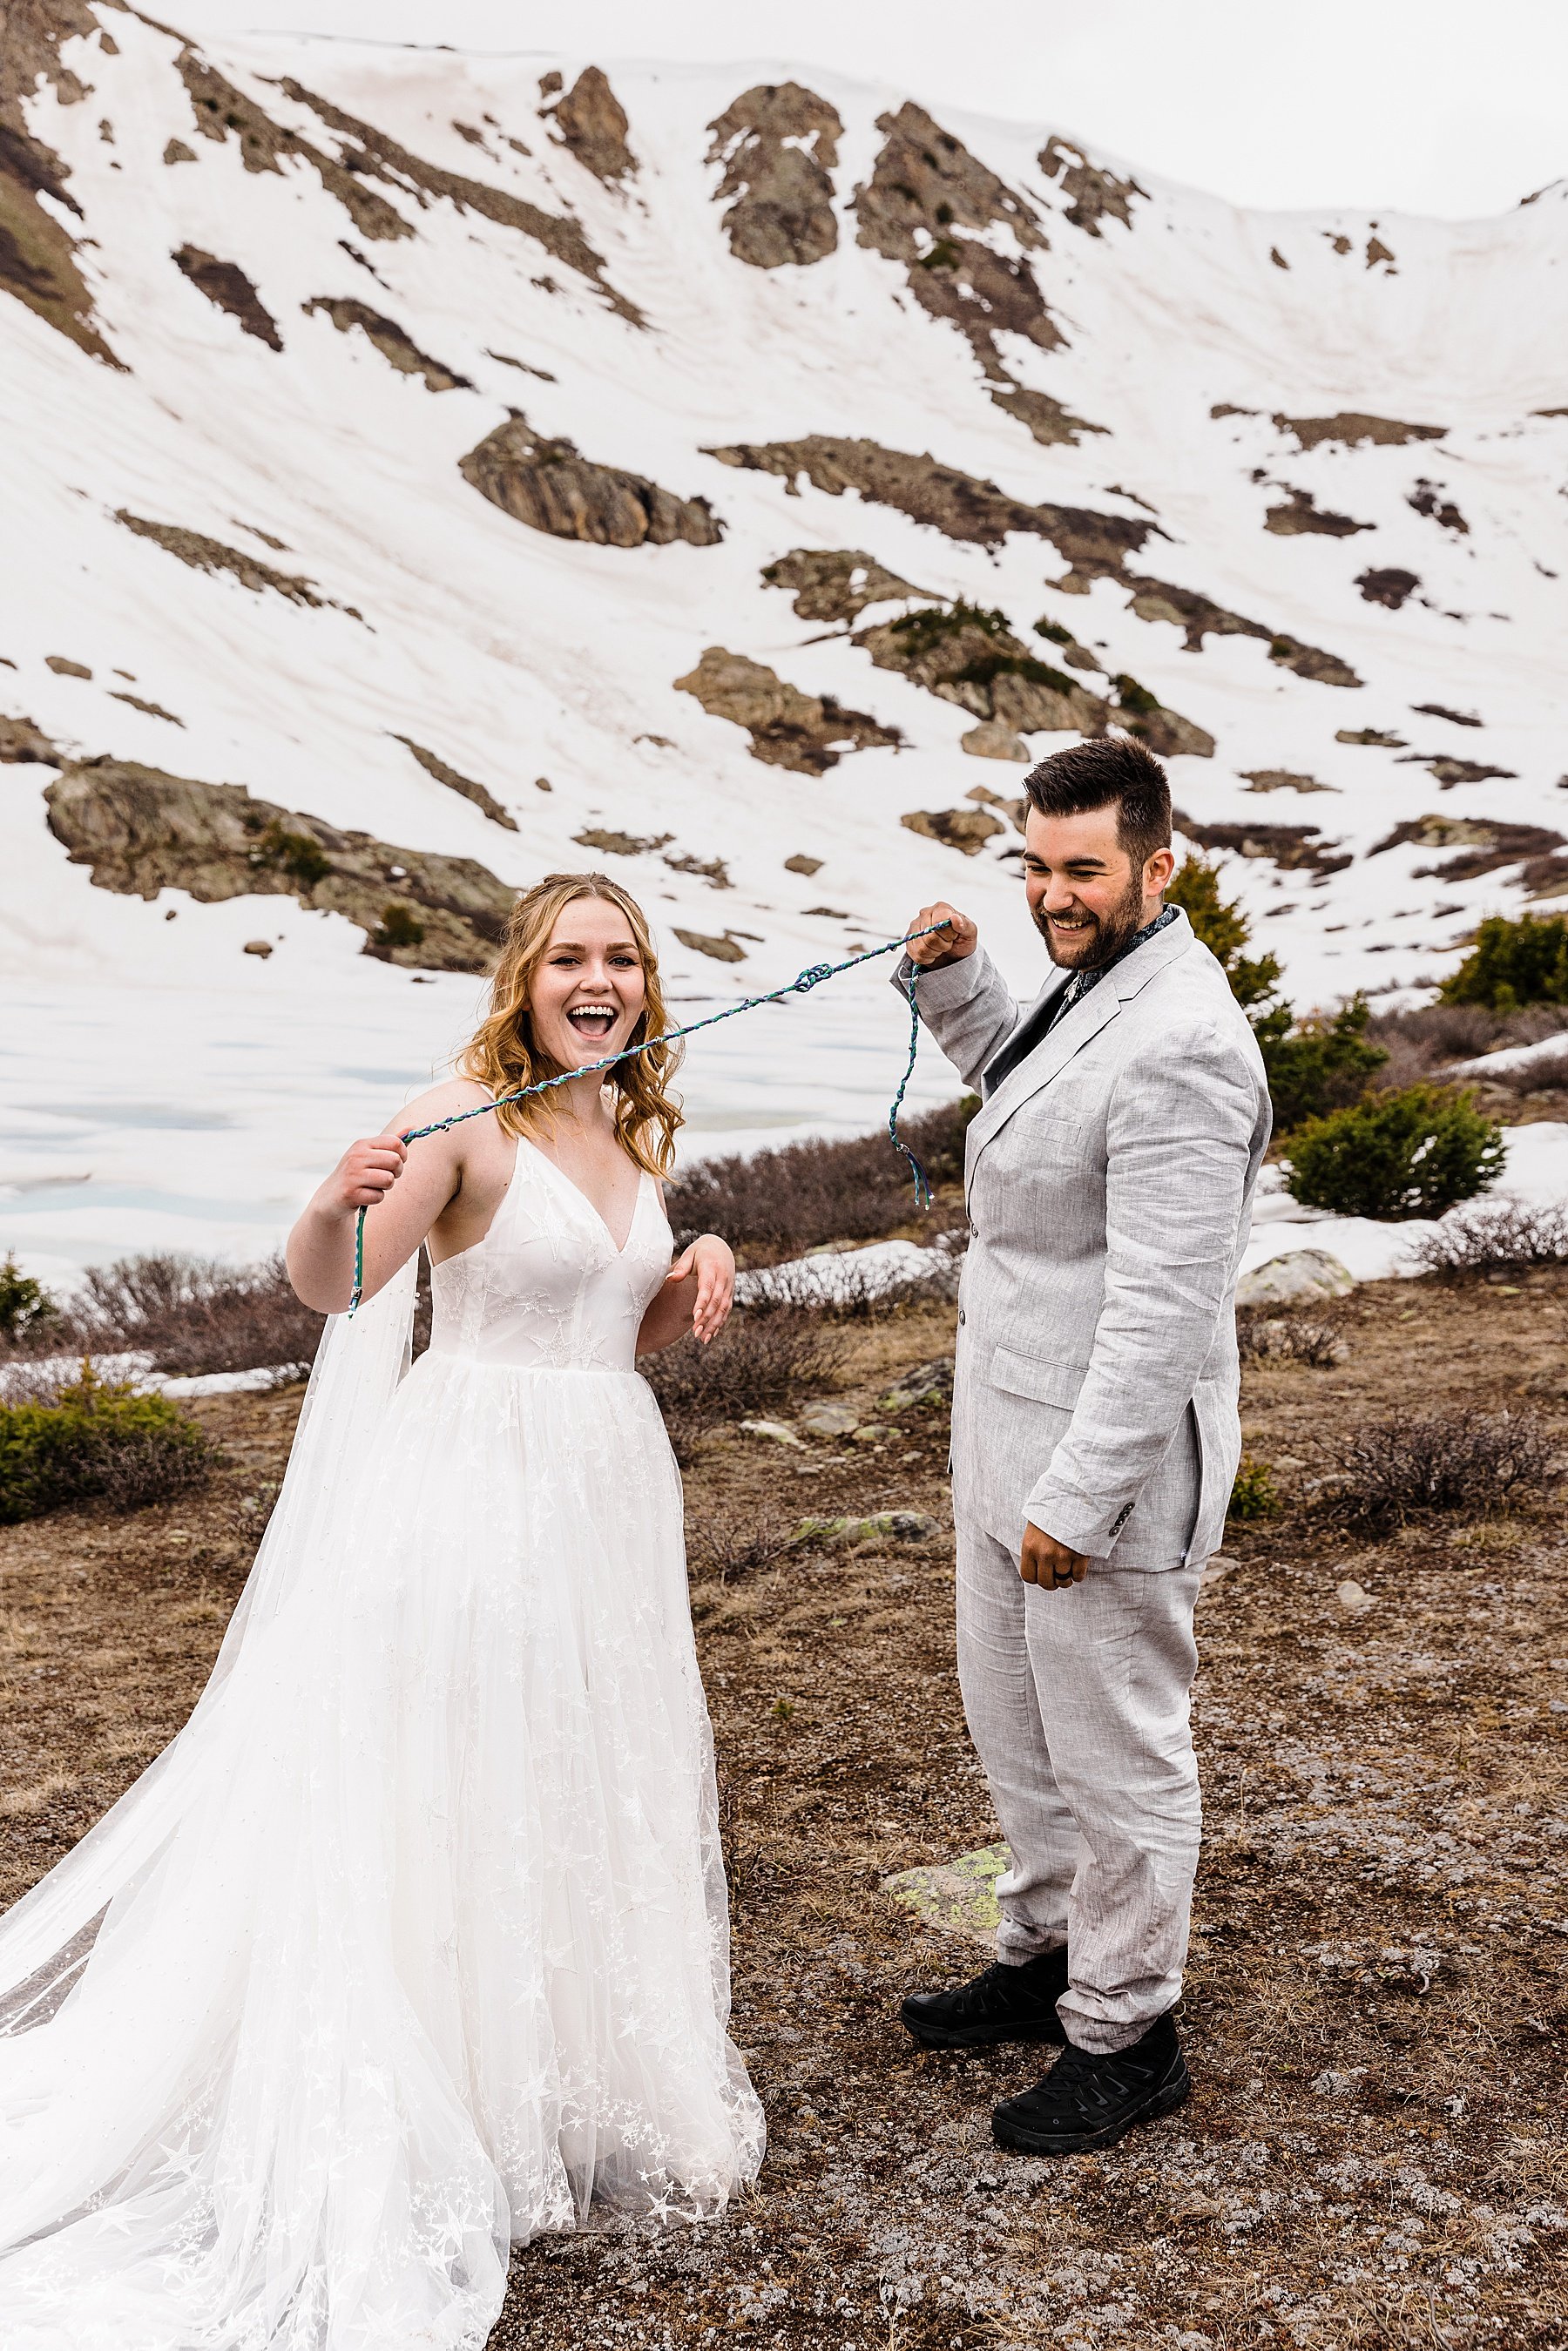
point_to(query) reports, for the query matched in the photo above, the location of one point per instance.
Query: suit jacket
(1109, 1176)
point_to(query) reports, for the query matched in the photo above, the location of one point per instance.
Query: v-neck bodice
(546, 1288)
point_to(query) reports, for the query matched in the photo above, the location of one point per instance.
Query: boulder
(1300, 1274)
(992, 740)
(926, 1383)
(886, 1526)
(829, 1420)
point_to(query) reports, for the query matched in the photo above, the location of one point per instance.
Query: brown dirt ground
(1374, 2154)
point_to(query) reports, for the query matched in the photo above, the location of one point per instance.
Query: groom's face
(1087, 898)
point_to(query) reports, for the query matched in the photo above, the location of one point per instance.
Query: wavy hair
(502, 1053)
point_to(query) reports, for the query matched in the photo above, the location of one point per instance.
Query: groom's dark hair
(1111, 771)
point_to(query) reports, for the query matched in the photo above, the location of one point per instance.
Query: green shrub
(1513, 963)
(1254, 1494)
(399, 926)
(300, 854)
(25, 1304)
(1318, 1064)
(96, 1439)
(1412, 1154)
(1223, 930)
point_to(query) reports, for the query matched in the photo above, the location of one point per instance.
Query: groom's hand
(1048, 1563)
(956, 939)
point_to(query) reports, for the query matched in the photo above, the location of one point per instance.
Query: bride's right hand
(366, 1172)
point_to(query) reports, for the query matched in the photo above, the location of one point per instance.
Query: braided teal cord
(812, 977)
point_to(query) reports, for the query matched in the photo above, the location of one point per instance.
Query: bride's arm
(404, 1187)
(698, 1292)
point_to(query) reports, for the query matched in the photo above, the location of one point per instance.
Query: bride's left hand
(713, 1262)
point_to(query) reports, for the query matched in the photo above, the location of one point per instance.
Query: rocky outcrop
(1390, 588)
(1301, 515)
(1282, 779)
(221, 112)
(926, 189)
(967, 830)
(1379, 736)
(1093, 194)
(38, 261)
(1483, 846)
(1427, 499)
(370, 154)
(777, 144)
(547, 485)
(788, 728)
(1290, 845)
(211, 555)
(140, 831)
(1048, 423)
(455, 781)
(1166, 732)
(838, 584)
(1351, 429)
(1441, 710)
(22, 744)
(227, 289)
(591, 122)
(722, 949)
(1198, 616)
(396, 346)
(970, 657)
(1450, 772)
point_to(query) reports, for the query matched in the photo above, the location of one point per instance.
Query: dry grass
(1373, 2160)
(189, 1314)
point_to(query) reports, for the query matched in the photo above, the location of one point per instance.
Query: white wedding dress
(413, 1944)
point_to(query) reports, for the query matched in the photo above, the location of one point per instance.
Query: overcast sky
(1435, 105)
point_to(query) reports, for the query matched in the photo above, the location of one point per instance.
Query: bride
(413, 1944)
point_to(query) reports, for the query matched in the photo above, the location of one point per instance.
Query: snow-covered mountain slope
(396, 435)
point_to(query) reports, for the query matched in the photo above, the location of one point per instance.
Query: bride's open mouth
(593, 1021)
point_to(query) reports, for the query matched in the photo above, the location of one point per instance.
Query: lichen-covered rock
(970, 657)
(140, 831)
(1094, 195)
(395, 344)
(592, 124)
(547, 485)
(967, 829)
(838, 584)
(788, 728)
(228, 290)
(779, 145)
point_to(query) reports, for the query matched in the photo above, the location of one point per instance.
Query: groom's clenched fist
(957, 938)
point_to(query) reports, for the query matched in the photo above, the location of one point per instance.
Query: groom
(1095, 1437)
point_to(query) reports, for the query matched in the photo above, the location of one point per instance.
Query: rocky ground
(1374, 2153)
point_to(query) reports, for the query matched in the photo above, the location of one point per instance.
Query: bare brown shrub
(189, 1314)
(1265, 1336)
(1428, 1038)
(1502, 1237)
(1412, 1465)
(762, 1355)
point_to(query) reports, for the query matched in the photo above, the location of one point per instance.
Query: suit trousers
(1077, 1701)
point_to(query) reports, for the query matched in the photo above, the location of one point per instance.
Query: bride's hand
(712, 1263)
(366, 1172)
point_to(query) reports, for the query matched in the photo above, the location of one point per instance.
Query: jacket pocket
(1043, 1383)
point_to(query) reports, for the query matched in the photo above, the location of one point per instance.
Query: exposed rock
(592, 122)
(838, 584)
(620, 844)
(1427, 499)
(788, 728)
(958, 1897)
(964, 829)
(1377, 251)
(373, 155)
(547, 485)
(1390, 587)
(22, 744)
(993, 740)
(1371, 735)
(394, 343)
(926, 1383)
(1288, 845)
(807, 865)
(1352, 1597)
(229, 288)
(970, 657)
(1093, 193)
(63, 666)
(455, 782)
(1277, 259)
(37, 253)
(778, 1432)
(221, 111)
(1485, 846)
(886, 1526)
(1198, 616)
(1301, 515)
(1166, 732)
(1441, 710)
(924, 190)
(1016, 810)
(150, 709)
(262, 947)
(1051, 423)
(723, 950)
(1282, 779)
(1351, 429)
(778, 143)
(711, 869)
(211, 555)
(177, 151)
(1299, 1274)
(140, 830)
(829, 1420)
(1450, 772)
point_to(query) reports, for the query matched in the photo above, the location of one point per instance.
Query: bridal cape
(414, 1943)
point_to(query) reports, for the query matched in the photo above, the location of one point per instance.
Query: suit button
(960, 1313)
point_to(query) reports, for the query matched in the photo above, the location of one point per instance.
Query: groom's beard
(1103, 937)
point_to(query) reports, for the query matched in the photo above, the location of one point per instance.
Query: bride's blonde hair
(503, 1055)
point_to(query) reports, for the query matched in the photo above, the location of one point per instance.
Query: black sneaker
(1089, 2100)
(1004, 2004)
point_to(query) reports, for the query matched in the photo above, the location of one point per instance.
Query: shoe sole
(1024, 2141)
(979, 2036)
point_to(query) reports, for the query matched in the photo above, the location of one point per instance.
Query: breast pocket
(1031, 1376)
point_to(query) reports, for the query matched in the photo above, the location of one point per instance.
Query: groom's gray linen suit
(1109, 1175)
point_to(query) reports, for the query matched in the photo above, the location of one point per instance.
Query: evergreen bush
(1415, 1152)
(1513, 963)
(25, 1305)
(96, 1439)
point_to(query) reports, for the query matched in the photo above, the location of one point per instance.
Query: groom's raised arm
(959, 994)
